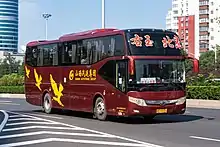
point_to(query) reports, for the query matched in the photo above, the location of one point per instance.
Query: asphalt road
(196, 128)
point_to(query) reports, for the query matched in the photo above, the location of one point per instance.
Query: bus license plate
(161, 111)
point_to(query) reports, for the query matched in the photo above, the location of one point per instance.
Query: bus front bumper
(138, 108)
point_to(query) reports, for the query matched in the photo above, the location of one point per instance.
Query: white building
(206, 30)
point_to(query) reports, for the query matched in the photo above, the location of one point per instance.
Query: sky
(70, 16)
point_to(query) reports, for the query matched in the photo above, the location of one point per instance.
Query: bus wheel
(100, 109)
(47, 104)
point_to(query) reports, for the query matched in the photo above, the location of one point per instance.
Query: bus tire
(47, 103)
(100, 109)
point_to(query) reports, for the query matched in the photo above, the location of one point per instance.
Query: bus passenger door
(121, 75)
(121, 84)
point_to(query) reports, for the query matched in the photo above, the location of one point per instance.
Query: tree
(9, 65)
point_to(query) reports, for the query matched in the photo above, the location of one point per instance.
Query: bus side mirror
(195, 64)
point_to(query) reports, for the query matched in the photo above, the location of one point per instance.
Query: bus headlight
(181, 101)
(137, 101)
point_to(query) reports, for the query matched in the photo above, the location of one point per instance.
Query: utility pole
(103, 14)
(46, 16)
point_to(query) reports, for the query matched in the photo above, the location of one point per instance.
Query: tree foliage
(9, 65)
(207, 63)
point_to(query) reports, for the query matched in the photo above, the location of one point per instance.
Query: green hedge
(203, 92)
(12, 89)
(12, 80)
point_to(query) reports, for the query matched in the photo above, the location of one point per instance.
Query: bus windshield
(159, 71)
(154, 44)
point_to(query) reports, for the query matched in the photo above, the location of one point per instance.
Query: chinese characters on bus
(148, 42)
(137, 40)
(166, 41)
(83, 75)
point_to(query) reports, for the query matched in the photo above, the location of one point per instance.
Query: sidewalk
(195, 103)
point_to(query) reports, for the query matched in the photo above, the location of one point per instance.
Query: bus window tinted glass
(31, 56)
(154, 44)
(48, 55)
(69, 53)
(103, 47)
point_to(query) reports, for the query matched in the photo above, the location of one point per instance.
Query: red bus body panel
(79, 95)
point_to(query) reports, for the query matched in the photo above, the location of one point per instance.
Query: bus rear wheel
(47, 103)
(100, 110)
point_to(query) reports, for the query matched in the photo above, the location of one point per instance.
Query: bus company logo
(38, 79)
(27, 71)
(83, 75)
(163, 103)
(57, 91)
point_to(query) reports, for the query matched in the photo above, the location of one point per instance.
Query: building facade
(9, 26)
(201, 13)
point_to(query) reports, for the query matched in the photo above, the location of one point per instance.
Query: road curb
(3, 123)
(211, 104)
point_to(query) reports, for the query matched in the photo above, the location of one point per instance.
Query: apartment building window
(212, 12)
(204, 45)
(175, 12)
(203, 28)
(212, 29)
(212, 37)
(175, 5)
(201, 20)
(204, 37)
(205, 11)
(201, 3)
(211, 20)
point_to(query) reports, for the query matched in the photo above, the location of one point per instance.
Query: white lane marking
(27, 142)
(29, 122)
(53, 133)
(4, 120)
(13, 116)
(204, 138)
(40, 127)
(15, 104)
(45, 116)
(74, 141)
(25, 119)
(5, 101)
(93, 131)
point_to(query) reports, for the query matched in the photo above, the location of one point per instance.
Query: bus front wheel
(100, 109)
(47, 103)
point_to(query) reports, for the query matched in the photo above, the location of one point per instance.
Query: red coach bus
(133, 72)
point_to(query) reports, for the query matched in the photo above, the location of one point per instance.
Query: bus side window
(54, 54)
(31, 56)
(119, 46)
(40, 56)
(69, 53)
(48, 55)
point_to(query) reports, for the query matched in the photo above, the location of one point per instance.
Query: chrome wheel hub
(100, 108)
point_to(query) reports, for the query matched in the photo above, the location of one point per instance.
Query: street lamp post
(46, 16)
(103, 14)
